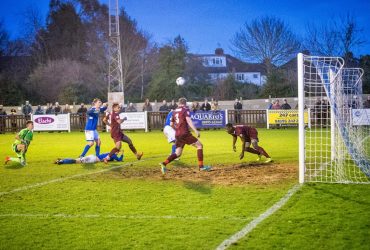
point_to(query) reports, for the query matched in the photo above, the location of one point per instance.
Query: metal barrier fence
(156, 120)
(253, 118)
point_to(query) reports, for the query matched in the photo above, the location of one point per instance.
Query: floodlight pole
(115, 76)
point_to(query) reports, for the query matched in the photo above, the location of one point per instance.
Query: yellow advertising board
(282, 116)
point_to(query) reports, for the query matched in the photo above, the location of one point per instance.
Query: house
(219, 65)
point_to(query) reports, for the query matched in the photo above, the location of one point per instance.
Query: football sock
(252, 150)
(170, 158)
(133, 149)
(113, 152)
(200, 157)
(97, 150)
(173, 148)
(68, 161)
(87, 147)
(263, 152)
(15, 159)
(23, 157)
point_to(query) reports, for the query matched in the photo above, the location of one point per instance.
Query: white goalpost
(336, 149)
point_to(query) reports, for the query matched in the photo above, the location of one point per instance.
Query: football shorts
(91, 135)
(169, 132)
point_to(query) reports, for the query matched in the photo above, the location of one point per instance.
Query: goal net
(336, 149)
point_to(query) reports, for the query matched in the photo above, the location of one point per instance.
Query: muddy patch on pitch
(237, 174)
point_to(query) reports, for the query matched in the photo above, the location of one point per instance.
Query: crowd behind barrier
(156, 120)
(251, 112)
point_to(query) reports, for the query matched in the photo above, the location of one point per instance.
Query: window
(255, 76)
(217, 61)
(240, 77)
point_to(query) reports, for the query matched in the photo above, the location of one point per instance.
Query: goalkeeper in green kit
(21, 144)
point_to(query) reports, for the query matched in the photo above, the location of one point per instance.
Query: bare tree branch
(266, 39)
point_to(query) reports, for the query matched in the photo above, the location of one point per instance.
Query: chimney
(219, 51)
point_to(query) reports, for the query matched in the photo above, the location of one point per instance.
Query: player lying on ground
(248, 136)
(91, 133)
(181, 121)
(22, 142)
(114, 121)
(89, 159)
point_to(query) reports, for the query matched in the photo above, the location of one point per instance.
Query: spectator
(367, 103)
(39, 110)
(82, 116)
(317, 110)
(49, 109)
(67, 109)
(238, 106)
(147, 106)
(164, 107)
(122, 108)
(286, 105)
(325, 112)
(27, 110)
(57, 108)
(205, 106)
(195, 106)
(355, 103)
(131, 108)
(276, 105)
(2, 119)
(214, 105)
(173, 105)
(271, 104)
(13, 119)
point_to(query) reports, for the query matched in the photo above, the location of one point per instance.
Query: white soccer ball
(180, 81)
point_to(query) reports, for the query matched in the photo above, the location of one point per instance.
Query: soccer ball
(180, 81)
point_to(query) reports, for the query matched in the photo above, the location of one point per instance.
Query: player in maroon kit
(248, 136)
(181, 121)
(117, 134)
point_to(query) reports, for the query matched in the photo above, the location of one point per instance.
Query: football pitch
(130, 205)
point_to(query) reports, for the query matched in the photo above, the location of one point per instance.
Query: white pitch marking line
(65, 178)
(93, 216)
(251, 225)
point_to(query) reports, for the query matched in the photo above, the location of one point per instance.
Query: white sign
(51, 122)
(360, 117)
(135, 120)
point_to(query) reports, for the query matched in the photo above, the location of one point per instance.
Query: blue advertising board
(209, 119)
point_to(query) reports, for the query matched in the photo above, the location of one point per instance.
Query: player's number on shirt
(177, 118)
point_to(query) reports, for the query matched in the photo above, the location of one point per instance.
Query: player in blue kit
(91, 133)
(90, 159)
(169, 132)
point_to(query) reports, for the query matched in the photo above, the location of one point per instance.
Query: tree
(247, 90)
(4, 38)
(171, 64)
(134, 43)
(322, 40)
(268, 40)
(365, 65)
(278, 85)
(226, 89)
(337, 37)
(64, 36)
(64, 75)
(11, 93)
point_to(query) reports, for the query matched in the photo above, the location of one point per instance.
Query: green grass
(110, 211)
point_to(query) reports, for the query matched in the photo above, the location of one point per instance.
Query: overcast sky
(207, 24)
